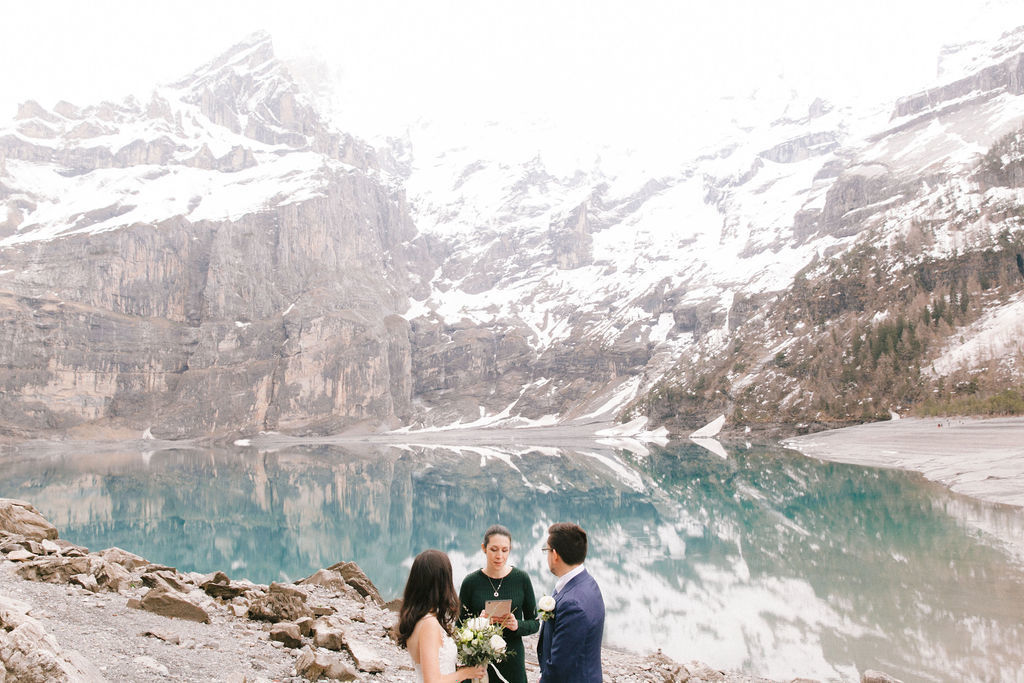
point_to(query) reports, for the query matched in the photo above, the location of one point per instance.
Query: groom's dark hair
(569, 541)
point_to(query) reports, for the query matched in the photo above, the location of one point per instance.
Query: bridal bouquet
(480, 642)
(546, 608)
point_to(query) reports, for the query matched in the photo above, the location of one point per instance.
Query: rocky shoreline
(68, 614)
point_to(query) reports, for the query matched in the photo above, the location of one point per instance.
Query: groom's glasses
(546, 549)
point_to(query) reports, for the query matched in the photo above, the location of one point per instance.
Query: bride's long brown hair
(429, 589)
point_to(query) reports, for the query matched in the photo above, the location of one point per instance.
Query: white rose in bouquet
(480, 642)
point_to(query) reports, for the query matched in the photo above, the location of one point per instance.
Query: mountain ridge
(276, 274)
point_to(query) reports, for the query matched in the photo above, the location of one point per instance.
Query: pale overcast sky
(396, 60)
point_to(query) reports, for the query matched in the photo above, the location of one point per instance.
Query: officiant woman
(499, 580)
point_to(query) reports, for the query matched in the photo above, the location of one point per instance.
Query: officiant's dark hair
(429, 588)
(569, 541)
(496, 530)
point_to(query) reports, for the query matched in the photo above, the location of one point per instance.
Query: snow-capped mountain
(660, 270)
(221, 259)
(227, 138)
(214, 260)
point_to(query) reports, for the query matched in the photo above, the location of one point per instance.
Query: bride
(429, 609)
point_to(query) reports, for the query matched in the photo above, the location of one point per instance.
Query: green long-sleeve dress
(478, 588)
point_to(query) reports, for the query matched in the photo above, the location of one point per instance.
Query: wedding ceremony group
(477, 633)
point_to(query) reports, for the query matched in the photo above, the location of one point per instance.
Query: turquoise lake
(765, 561)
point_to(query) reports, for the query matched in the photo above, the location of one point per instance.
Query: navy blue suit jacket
(569, 647)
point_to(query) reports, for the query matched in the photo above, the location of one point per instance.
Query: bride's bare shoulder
(426, 622)
(426, 626)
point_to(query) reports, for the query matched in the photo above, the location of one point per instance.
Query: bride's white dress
(447, 656)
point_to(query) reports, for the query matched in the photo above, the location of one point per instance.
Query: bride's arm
(429, 649)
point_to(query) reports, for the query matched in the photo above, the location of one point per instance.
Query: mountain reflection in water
(766, 561)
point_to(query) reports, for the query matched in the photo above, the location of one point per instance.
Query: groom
(569, 647)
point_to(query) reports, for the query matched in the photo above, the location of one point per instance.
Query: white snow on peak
(961, 59)
(114, 165)
(67, 205)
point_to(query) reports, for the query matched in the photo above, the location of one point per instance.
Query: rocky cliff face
(222, 260)
(279, 313)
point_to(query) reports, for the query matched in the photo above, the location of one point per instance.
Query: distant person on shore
(569, 647)
(426, 620)
(498, 580)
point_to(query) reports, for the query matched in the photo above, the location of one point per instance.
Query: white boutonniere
(546, 608)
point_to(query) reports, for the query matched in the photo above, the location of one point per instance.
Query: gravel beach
(983, 459)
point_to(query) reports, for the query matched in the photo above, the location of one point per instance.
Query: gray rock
(217, 577)
(69, 549)
(330, 638)
(225, 591)
(305, 625)
(167, 637)
(355, 577)
(703, 672)
(314, 665)
(168, 578)
(34, 547)
(27, 653)
(74, 551)
(164, 601)
(873, 676)
(286, 589)
(279, 605)
(90, 571)
(328, 579)
(13, 612)
(129, 561)
(11, 542)
(366, 656)
(20, 517)
(112, 577)
(86, 581)
(55, 569)
(287, 633)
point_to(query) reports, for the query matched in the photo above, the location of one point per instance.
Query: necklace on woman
(500, 581)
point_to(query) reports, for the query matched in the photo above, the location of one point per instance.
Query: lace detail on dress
(447, 657)
(448, 654)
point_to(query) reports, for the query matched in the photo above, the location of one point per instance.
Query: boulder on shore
(20, 517)
(28, 653)
(169, 603)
